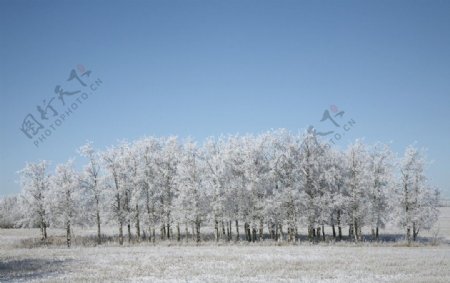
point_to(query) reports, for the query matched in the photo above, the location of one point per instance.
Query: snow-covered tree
(288, 187)
(311, 170)
(166, 171)
(132, 181)
(35, 189)
(327, 197)
(236, 184)
(215, 182)
(65, 195)
(191, 202)
(357, 186)
(10, 212)
(149, 150)
(91, 180)
(417, 201)
(336, 177)
(257, 176)
(380, 186)
(112, 161)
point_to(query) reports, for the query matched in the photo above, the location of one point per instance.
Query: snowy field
(229, 264)
(340, 262)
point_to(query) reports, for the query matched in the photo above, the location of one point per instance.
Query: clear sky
(205, 68)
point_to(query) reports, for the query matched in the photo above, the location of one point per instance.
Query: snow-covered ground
(340, 262)
(228, 264)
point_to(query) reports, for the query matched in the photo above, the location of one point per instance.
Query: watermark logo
(335, 124)
(52, 113)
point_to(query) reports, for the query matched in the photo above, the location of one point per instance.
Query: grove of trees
(248, 187)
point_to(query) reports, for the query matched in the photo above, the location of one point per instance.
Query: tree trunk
(121, 233)
(163, 231)
(119, 210)
(290, 234)
(414, 231)
(198, 231)
(138, 228)
(151, 227)
(360, 232)
(269, 228)
(168, 231)
(408, 228)
(178, 232)
(339, 225)
(376, 234)
(261, 229)
(149, 214)
(248, 232)
(254, 234)
(216, 229)
(127, 208)
(129, 231)
(408, 235)
(310, 233)
(334, 231)
(281, 233)
(99, 236)
(68, 235)
(323, 232)
(245, 231)
(223, 230)
(237, 230)
(44, 230)
(276, 232)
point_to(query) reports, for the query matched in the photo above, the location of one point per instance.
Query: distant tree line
(246, 187)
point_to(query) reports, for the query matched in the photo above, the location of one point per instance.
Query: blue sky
(205, 68)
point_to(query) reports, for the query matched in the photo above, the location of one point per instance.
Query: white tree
(328, 196)
(286, 166)
(91, 180)
(191, 203)
(132, 181)
(10, 212)
(311, 170)
(417, 202)
(357, 186)
(257, 176)
(112, 161)
(166, 171)
(381, 184)
(336, 177)
(35, 189)
(215, 180)
(150, 149)
(276, 179)
(65, 189)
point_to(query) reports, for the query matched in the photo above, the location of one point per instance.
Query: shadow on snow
(30, 269)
